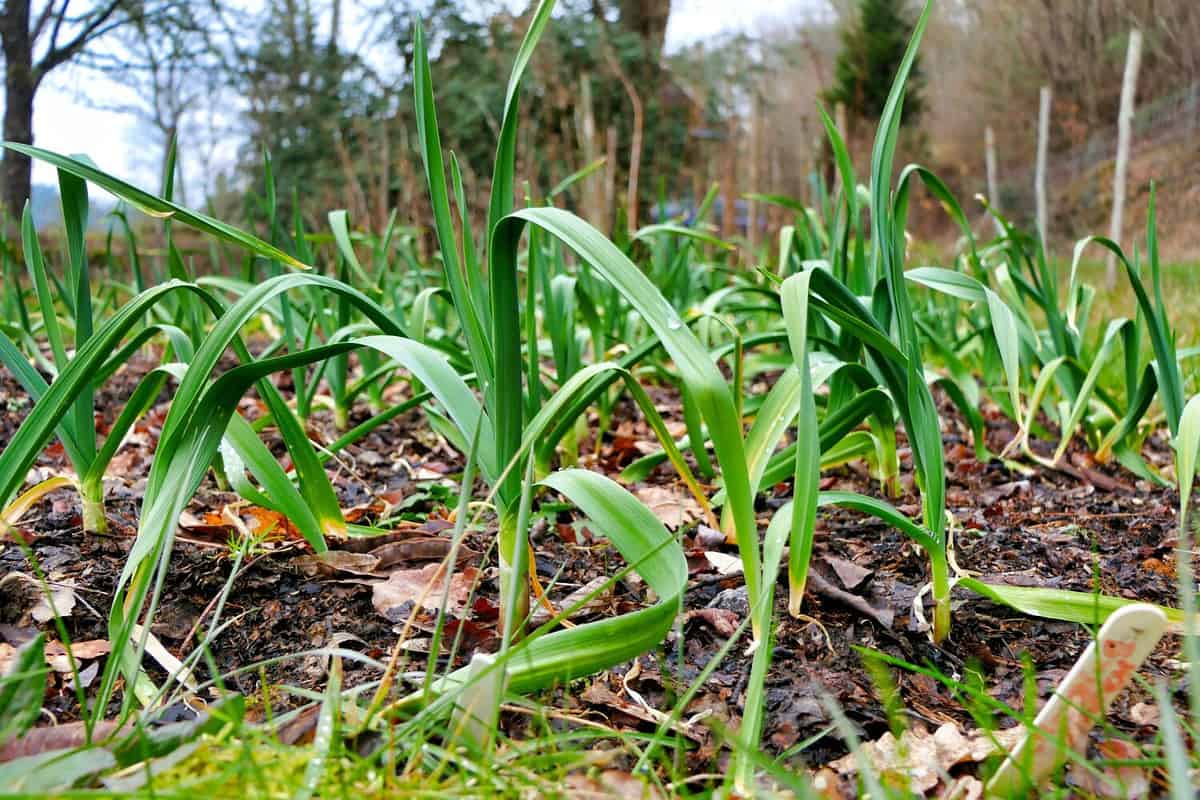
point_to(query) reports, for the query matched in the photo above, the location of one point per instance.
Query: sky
(65, 123)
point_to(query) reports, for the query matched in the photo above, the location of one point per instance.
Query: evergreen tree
(872, 48)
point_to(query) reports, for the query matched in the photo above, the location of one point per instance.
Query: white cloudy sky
(63, 122)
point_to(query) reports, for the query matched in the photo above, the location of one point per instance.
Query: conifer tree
(872, 47)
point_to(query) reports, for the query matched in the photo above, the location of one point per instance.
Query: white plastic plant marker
(1104, 669)
(477, 710)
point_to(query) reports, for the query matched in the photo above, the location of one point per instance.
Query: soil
(1092, 525)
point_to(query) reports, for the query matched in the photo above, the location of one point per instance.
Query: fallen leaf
(955, 748)
(55, 737)
(967, 787)
(883, 616)
(424, 473)
(850, 575)
(610, 785)
(708, 538)
(725, 564)
(392, 497)
(583, 594)
(1144, 714)
(394, 597)
(265, 520)
(334, 561)
(598, 694)
(63, 594)
(990, 497)
(190, 522)
(421, 549)
(21, 591)
(88, 648)
(436, 525)
(721, 620)
(301, 728)
(87, 676)
(673, 507)
(912, 759)
(918, 758)
(826, 783)
(1125, 782)
(473, 635)
(359, 512)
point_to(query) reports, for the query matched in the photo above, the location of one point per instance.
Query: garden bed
(1084, 528)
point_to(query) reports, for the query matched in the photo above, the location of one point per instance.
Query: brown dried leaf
(429, 548)
(673, 507)
(850, 575)
(883, 616)
(541, 615)
(1126, 782)
(827, 784)
(721, 620)
(301, 728)
(89, 648)
(58, 737)
(598, 694)
(610, 785)
(991, 496)
(918, 757)
(334, 561)
(56, 654)
(392, 598)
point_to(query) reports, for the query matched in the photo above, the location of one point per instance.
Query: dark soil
(1091, 526)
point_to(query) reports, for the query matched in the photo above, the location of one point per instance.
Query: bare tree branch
(93, 29)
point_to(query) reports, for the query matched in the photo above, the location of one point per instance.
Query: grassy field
(1180, 283)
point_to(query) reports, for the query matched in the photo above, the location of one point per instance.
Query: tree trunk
(648, 20)
(635, 143)
(20, 84)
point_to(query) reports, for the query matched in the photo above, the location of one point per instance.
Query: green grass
(247, 763)
(1181, 290)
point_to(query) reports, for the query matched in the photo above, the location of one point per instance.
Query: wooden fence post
(989, 145)
(1043, 147)
(1133, 59)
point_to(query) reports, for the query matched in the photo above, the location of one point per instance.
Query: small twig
(709, 580)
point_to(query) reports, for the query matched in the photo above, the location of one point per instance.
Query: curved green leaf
(156, 206)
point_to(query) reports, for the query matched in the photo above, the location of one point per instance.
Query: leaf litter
(286, 604)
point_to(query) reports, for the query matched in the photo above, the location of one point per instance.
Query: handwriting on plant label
(1104, 669)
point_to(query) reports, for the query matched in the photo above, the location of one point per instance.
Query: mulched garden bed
(1089, 525)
